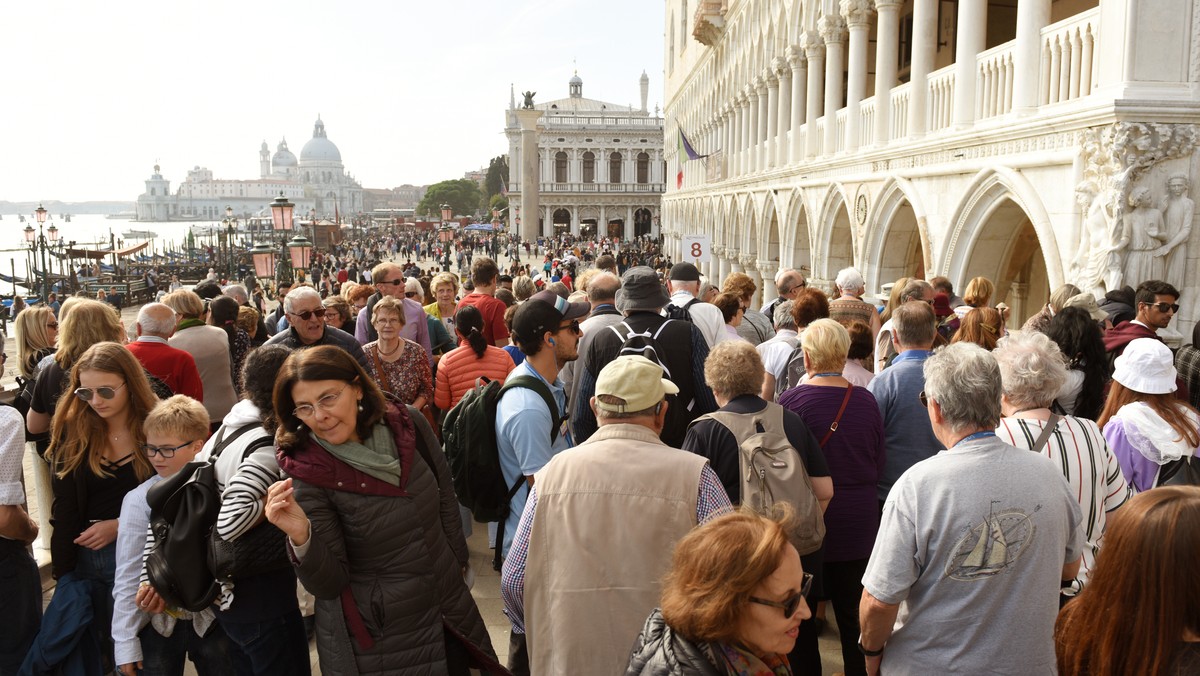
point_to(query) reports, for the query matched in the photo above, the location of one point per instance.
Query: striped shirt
(1078, 449)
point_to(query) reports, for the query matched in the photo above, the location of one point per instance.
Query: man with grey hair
(306, 316)
(173, 366)
(775, 352)
(683, 283)
(788, 283)
(907, 434)
(885, 347)
(973, 543)
(602, 295)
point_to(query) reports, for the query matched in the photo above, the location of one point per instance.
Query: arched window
(643, 168)
(560, 167)
(614, 168)
(589, 167)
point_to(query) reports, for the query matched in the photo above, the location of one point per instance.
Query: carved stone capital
(757, 85)
(779, 65)
(832, 28)
(731, 253)
(770, 78)
(888, 5)
(814, 46)
(748, 261)
(767, 268)
(857, 12)
(796, 57)
(718, 250)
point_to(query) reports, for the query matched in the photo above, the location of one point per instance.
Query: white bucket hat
(1146, 366)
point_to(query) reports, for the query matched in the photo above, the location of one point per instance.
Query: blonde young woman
(37, 332)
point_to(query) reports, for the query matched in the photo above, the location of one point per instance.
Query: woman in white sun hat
(1145, 425)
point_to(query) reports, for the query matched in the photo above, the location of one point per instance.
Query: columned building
(1033, 143)
(600, 165)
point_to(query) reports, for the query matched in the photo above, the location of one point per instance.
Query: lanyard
(831, 374)
(977, 435)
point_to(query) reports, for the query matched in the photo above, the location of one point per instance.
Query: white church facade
(1033, 143)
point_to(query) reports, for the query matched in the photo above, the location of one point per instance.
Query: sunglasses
(924, 399)
(792, 603)
(1164, 307)
(166, 452)
(574, 326)
(411, 294)
(309, 314)
(395, 282)
(87, 393)
(52, 325)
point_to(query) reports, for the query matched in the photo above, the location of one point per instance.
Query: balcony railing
(866, 122)
(1068, 57)
(941, 98)
(899, 121)
(840, 119)
(994, 81)
(596, 187)
(592, 121)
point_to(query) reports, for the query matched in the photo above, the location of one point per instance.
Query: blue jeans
(276, 646)
(100, 565)
(21, 588)
(165, 655)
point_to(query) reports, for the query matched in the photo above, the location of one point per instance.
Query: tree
(498, 202)
(497, 176)
(462, 194)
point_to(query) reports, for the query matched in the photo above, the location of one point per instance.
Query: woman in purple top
(1145, 425)
(854, 450)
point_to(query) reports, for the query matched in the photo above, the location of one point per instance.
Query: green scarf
(188, 323)
(375, 456)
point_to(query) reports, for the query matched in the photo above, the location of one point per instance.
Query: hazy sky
(411, 91)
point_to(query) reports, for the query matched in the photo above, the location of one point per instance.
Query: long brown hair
(1173, 411)
(324, 362)
(89, 322)
(1142, 595)
(980, 326)
(77, 433)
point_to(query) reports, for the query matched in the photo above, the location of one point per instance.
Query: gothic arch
(748, 239)
(797, 234)
(770, 237)
(895, 225)
(836, 241)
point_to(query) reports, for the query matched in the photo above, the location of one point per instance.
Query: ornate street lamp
(281, 221)
(263, 256)
(230, 225)
(300, 247)
(37, 244)
(447, 213)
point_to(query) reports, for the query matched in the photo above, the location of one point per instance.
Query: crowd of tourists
(690, 481)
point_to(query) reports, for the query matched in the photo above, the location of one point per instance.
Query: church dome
(319, 148)
(283, 157)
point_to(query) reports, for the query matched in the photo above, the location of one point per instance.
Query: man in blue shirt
(908, 434)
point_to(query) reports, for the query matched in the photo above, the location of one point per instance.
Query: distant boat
(67, 218)
(122, 216)
(205, 230)
(21, 217)
(139, 234)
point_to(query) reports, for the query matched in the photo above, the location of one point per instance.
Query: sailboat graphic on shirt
(987, 548)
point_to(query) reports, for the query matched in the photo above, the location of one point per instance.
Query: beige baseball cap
(633, 383)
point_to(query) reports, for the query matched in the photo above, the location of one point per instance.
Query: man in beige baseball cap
(599, 527)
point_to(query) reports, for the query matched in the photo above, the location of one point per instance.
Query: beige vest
(609, 512)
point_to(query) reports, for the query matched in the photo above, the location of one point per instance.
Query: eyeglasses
(166, 452)
(924, 399)
(309, 314)
(574, 326)
(386, 320)
(325, 403)
(52, 325)
(1164, 307)
(412, 294)
(86, 393)
(792, 603)
(395, 282)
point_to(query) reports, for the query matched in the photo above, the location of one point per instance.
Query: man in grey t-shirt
(973, 544)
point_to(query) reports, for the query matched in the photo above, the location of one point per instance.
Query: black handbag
(1182, 472)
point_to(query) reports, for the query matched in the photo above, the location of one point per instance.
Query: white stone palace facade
(600, 165)
(1034, 143)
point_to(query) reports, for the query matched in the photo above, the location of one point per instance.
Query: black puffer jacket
(659, 651)
(390, 556)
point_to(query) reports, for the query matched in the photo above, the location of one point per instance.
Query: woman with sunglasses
(373, 525)
(37, 332)
(399, 365)
(209, 346)
(732, 603)
(95, 438)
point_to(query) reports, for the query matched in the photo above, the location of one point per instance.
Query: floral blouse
(409, 377)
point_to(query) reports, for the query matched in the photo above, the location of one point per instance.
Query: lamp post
(447, 214)
(281, 221)
(37, 242)
(230, 222)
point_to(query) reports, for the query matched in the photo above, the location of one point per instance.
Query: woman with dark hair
(1141, 612)
(474, 358)
(223, 314)
(1081, 341)
(372, 524)
(732, 312)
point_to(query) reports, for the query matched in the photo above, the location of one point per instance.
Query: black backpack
(673, 311)
(644, 344)
(183, 513)
(469, 435)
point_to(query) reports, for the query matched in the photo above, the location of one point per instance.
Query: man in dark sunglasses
(306, 318)
(1156, 303)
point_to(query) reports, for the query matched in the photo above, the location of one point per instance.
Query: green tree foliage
(497, 174)
(462, 194)
(498, 202)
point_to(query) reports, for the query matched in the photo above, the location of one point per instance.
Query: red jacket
(171, 365)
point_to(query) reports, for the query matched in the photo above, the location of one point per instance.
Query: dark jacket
(291, 340)
(385, 562)
(659, 651)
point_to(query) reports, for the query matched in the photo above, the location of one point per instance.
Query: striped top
(1078, 449)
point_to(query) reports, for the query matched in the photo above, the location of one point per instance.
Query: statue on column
(1143, 231)
(1097, 266)
(1177, 214)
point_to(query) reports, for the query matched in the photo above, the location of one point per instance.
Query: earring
(360, 408)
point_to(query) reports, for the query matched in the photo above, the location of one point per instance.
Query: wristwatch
(869, 653)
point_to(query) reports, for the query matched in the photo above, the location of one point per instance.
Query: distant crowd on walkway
(676, 480)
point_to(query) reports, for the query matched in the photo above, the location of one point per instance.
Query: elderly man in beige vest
(599, 527)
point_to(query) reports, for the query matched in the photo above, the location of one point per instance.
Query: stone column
(752, 134)
(602, 224)
(735, 260)
(972, 39)
(798, 63)
(748, 261)
(735, 136)
(575, 221)
(744, 145)
(530, 185)
(814, 49)
(923, 52)
(771, 149)
(763, 113)
(833, 30)
(784, 114)
(767, 270)
(727, 150)
(628, 223)
(719, 269)
(1032, 17)
(887, 45)
(858, 17)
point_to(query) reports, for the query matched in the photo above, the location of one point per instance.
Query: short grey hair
(1032, 368)
(299, 293)
(238, 293)
(850, 279)
(964, 379)
(915, 290)
(783, 316)
(156, 319)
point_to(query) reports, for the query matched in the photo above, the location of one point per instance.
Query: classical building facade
(600, 165)
(1033, 143)
(317, 183)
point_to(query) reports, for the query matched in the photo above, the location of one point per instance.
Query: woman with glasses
(372, 524)
(732, 603)
(732, 311)
(209, 346)
(338, 314)
(399, 365)
(95, 441)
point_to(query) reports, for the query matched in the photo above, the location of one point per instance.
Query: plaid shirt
(1187, 362)
(711, 501)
